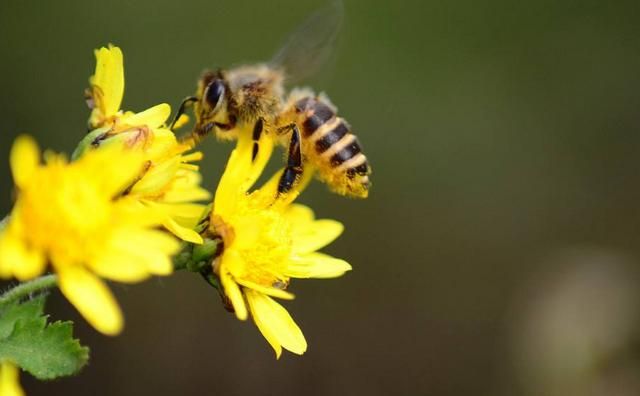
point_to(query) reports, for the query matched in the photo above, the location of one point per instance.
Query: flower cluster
(98, 215)
(170, 183)
(129, 199)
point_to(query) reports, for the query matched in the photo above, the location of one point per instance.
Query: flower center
(63, 212)
(261, 238)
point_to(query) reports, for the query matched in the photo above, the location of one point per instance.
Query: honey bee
(252, 99)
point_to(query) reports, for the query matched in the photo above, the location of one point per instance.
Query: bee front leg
(293, 170)
(188, 101)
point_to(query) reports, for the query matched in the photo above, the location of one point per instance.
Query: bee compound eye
(215, 91)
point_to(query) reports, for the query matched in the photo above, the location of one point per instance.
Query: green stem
(25, 289)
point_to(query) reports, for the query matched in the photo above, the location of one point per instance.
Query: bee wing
(311, 44)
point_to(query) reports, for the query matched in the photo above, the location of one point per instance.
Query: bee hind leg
(293, 171)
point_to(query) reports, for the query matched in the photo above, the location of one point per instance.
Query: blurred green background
(498, 252)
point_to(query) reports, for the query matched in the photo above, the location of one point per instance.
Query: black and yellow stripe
(320, 115)
(332, 140)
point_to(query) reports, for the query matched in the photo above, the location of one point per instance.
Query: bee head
(211, 109)
(213, 95)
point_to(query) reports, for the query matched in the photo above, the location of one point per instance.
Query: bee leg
(293, 171)
(183, 107)
(258, 128)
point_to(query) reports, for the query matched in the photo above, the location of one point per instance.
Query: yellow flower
(73, 216)
(267, 240)
(10, 380)
(170, 183)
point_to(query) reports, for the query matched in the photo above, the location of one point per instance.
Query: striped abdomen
(329, 143)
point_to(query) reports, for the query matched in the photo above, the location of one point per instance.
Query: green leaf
(47, 351)
(9, 315)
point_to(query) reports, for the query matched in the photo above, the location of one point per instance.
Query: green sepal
(46, 351)
(202, 254)
(182, 259)
(212, 279)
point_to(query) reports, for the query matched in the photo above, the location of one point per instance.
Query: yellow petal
(185, 187)
(10, 380)
(24, 159)
(152, 117)
(229, 184)
(124, 167)
(157, 177)
(185, 213)
(299, 215)
(265, 148)
(234, 293)
(32, 264)
(128, 210)
(119, 266)
(184, 233)
(262, 323)
(270, 189)
(157, 263)
(242, 171)
(310, 235)
(316, 265)
(270, 291)
(243, 167)
(275, 324)
(180, 219)
(109, 78)
(92, 299)
(18, 260)
(190, 194)
(163, 145)
(150, 248)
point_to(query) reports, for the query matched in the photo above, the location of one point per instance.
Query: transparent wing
(311, 44)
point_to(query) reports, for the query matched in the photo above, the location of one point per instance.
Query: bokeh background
(498, 253)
